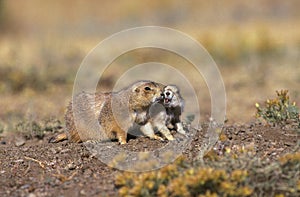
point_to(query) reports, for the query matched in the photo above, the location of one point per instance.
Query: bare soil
(34, 167)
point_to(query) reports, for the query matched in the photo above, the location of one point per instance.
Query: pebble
(25, 149)
(19, 161)
(88, 173)
(53, 150)
(236, 132)
(31, 195)
(25, 186)
(71, 166)
(82, 192)
(65, 150)
(20, 141)
(288, 143)
(134, 159)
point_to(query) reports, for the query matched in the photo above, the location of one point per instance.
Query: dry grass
(257, 49)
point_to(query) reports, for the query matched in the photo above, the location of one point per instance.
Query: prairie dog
(174, 104)
(168, 117)
(114, 112)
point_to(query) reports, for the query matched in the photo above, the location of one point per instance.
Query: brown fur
(115, 112)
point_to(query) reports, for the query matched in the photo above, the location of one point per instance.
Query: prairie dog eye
(147, 88)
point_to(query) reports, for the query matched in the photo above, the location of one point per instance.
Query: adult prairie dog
(105, 116)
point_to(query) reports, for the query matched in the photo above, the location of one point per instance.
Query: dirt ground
(34, 167)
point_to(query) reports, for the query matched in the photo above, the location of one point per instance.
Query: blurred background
(256, 45)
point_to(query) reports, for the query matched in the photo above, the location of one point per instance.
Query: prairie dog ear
(173, 88)
(136, 87)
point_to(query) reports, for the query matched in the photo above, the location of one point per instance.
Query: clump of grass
(231, 175)
(15, 80)
(279, 110)
(182, 179)
(265, 177)
(36, 129)
(1, 128)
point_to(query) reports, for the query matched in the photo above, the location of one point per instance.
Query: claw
(170, 138)
(122, 142)
(156, 137)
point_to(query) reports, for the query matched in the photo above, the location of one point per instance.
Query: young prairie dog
(113, 112)
(166, 114)
(174, 104)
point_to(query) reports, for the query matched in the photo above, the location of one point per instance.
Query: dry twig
(37, 161)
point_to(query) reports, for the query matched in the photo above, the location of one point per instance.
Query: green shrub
(279, 110)
(184, 180)
(231, 175)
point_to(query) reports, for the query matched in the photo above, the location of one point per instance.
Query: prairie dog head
(144, 93)
(172, 97)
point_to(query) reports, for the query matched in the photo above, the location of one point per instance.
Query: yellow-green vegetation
(229, 176)
(240, 45)
(179, 179)
(279, 110)
(14, 79)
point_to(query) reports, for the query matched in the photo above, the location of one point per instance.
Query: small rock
(82, 192)
(25, 149)
(20, 141)
(53, 163)
(25, 186)
(274, 153)
(31, 195)
(19, 161)
(65, 150)
(71, 166)
(145, 146)
(88, 172)
(288, 143)
(53, 150)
